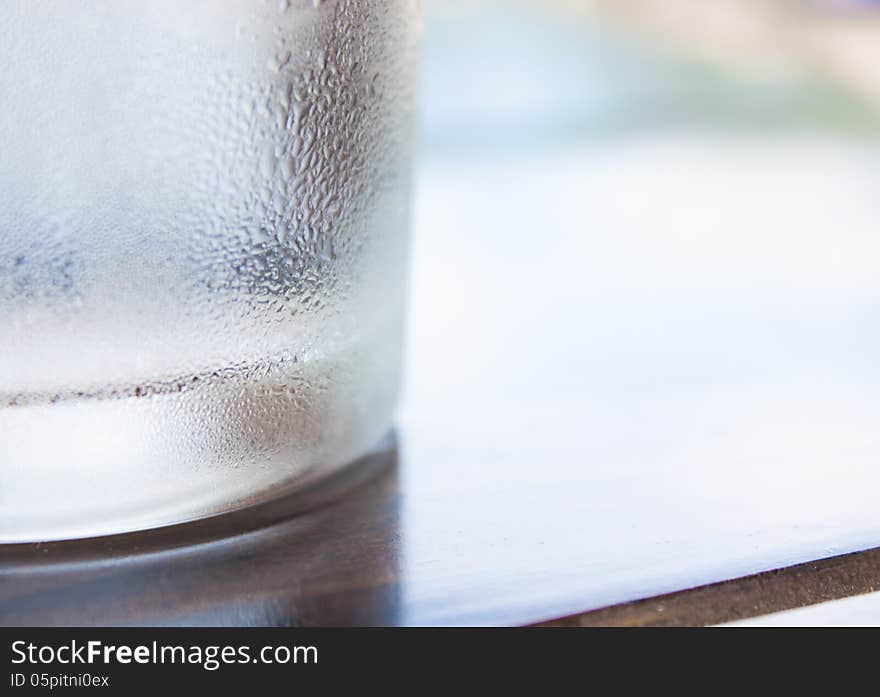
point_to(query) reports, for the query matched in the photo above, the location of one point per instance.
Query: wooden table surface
(335, 555)
(640, 361)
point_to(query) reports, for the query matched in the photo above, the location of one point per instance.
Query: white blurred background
(602, 201)
(645, 286)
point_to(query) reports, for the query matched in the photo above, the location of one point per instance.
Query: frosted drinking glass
(203, 237)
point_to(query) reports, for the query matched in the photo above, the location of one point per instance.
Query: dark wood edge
(749, 596)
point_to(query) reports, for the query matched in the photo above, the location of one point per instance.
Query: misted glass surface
(203, 233)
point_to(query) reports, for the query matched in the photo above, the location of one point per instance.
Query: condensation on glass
(203, 236)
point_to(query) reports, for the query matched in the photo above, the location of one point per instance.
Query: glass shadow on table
(327, 555)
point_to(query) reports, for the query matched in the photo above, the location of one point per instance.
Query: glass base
(273, 495)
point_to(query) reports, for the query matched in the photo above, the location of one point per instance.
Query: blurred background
(611, 190)
(646, 261)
